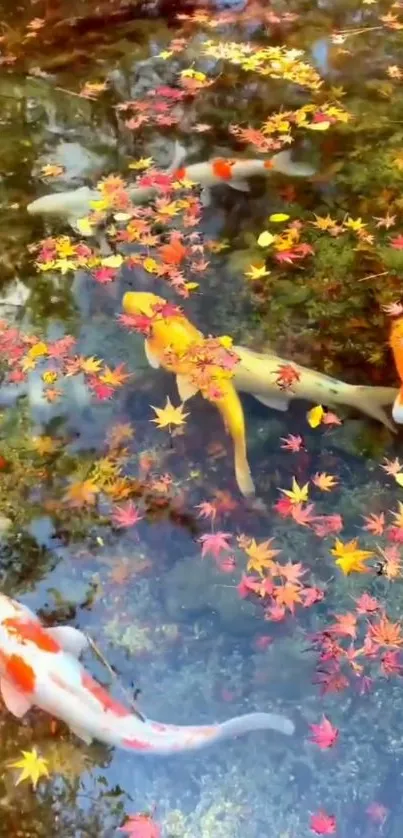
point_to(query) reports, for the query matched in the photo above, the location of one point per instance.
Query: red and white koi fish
(39, 667)
(77, 203)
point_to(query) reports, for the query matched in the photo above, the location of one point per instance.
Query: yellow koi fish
(175, 334)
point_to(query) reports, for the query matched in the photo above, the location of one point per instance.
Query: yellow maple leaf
(65, 265)
(325, 482)
(81, 492)
(33, 767)
(297, 494)
(44, 445)
(260, 555)
(257, 271)
(323, 222)
(169, 415)
(142, 163)
(349, 556)
(265, 239)
(277, 217)
(38, 350)
(90, 365)
(399, 478)
(315, 416)
(84, 226)
(114, 261)
(355, 224)
(150, 265)
(115, 378)
(52, 170)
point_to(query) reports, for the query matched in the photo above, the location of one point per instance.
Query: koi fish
(175, 332)
(396, 345)
(77, 203)
(257, 374)
(40, 667)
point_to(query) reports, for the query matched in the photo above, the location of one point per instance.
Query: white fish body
(39, 667)
(257, 373)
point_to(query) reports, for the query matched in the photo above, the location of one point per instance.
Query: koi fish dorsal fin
(16, 702)
(70, 639)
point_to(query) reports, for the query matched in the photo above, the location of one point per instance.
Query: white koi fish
(39, 667)
(77, 203)
(257, 373)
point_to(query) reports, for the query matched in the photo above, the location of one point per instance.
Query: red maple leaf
(322, 823)
(248, 585)
(345, 625)
(287, 375)
(284, 507)
(214, 543)
(324, 734)
(126, 515)
(397, 242)
(141, 826)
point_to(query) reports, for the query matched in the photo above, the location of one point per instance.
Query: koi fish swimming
(396, 345)
(77, 203)
(175, 334)
(256, 374)
(39, 667)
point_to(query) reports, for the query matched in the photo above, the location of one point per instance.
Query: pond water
(307, 267)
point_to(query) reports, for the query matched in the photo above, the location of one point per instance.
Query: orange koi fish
(396, 345)
(174, 333)
(39, 667)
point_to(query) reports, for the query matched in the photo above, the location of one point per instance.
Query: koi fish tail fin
(283, 163)
(372, 400)
(179, 156)
(397, 410)
(240, 725)
(242, 470)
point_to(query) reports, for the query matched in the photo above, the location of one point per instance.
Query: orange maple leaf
(81, 492)
(114, 378)
(325, 482)
(385, 633)
(288, 595)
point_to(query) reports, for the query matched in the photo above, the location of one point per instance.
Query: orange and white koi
(39, 667)
(77, 203)
(396, 345)
(173, 334)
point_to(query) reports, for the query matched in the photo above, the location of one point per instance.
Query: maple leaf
(391, 567)
(350, 558)
(257, 271)
(374, 523)
(260, 555)
(397, 242)
(248, 585)
(330, 418)
(126, 515)
(291, 443)
(325, 735)
(286, 376)
(345, 625)
(322, 823)
(169, 415)
(297, 494)
(377, 812)
(324, 525)
(385, 633)
(315, 416)
(141, 825)
(325, 482)
(33, 767)
(89, 366)
(81, 492)
(291, 572)
(44, 445)
(288, 595)
(52, 170)
(284, 507)
(214, 543)
(114, 378)
(366, 604)
(303, 515)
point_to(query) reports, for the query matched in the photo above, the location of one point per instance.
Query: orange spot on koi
(108, 703)
(222, 168)
(268, 164)
(29, 631)
(21, 673)
(137, 745)
(180, 174)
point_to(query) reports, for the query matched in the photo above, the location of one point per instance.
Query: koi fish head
(397, 409)
(141, 302)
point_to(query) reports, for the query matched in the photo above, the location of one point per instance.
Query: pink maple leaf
(141, 826)
(330, 418)
(366, 604)
(397, 242)
(102, 391)
(214, 543)
(248, 585)
(325, 735)
(303, 515)
(322, 823)
(104, 275)
(284, 507)
(126, 515)
(291, 443)
(311, 595)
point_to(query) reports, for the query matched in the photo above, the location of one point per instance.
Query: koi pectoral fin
(240, 185)
(276, 402)
(82, 734)
(16, 702)
(151, 358)
(70, 639)
(185, 388)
